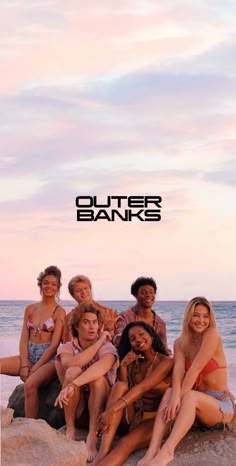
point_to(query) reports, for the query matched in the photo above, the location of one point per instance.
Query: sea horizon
(171, 311)
(119, 300)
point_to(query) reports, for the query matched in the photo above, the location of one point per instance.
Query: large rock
(213, 447)
(32, 442)
(47, 395)
(6, 416)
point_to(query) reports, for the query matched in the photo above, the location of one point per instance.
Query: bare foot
(162, 458)
(145, 461)
(91, 443)
(70, 433)
(97, 460)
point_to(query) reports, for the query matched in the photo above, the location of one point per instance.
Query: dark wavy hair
(125, 346)
(51, 270)
(141, 281)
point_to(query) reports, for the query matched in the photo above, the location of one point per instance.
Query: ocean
(12, 312)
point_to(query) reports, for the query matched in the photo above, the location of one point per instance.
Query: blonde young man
(80, 288)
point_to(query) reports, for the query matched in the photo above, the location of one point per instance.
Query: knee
(167, 392)
(60, 371)
(58, 366)
(166, 395)
(71, 373)
(189, 398)
(100, 383)
(120, 387)
(29, 387)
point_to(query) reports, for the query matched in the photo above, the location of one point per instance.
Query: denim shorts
(225, 403)
(36, 350)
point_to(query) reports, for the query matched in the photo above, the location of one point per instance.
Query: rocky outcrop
(214, 447)
(29, 442)
(6, 416)
(47, 395)
(32, 442)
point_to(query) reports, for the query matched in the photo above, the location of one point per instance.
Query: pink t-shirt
(72, 348)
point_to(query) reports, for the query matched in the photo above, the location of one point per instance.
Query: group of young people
(117, 372)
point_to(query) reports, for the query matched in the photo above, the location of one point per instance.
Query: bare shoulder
(212, 333)
(165, 360)
(60, 313)
(177, 344)
(29, 309)
(179, 353)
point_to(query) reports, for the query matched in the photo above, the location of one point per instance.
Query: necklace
(154, 359)
(149, 367)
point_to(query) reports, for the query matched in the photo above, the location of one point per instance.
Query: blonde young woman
(199, 384)
(40, 337)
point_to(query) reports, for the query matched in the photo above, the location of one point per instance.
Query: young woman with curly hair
(40, 337)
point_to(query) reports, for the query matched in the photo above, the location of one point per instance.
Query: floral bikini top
(47, 326)
(211, 366)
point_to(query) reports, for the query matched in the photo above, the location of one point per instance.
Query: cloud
(225, 175)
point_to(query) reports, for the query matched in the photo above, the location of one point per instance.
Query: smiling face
(140, 340)
(49, 286)
(200, 319)
(146, 296)
(82, 292)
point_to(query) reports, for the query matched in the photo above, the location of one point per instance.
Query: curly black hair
(124, 346)
(141, 281)
(51, 270)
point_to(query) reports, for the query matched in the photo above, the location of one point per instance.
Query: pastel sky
(128, 97)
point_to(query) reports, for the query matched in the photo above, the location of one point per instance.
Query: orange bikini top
(211, 366)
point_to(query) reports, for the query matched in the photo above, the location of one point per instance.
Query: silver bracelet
(126, 410)
(123, 399)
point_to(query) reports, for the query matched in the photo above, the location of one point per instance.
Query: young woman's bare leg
(42, 376)
(193, 404)
(135, 440)
(159, 431)
(10, 365)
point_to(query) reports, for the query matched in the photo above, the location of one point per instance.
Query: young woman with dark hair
(143, 378)
(40, 337)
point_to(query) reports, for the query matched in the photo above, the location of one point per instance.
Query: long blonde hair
(189, 310)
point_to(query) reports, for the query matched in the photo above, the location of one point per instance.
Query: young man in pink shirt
(86, 367)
